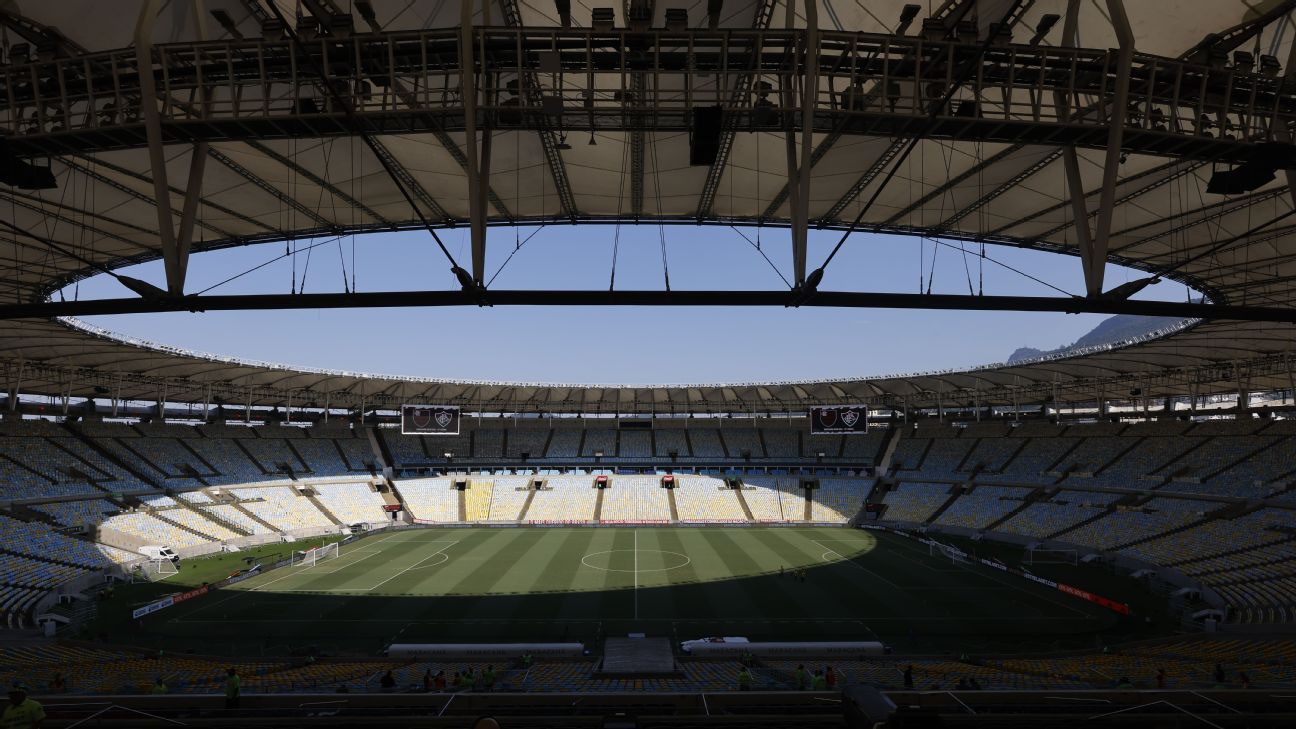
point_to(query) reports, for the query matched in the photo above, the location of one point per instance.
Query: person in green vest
(21, 712)
(802, 678)
(233, 686)
(488, 678)
(159, 686)
(819, 683)
(744, 679)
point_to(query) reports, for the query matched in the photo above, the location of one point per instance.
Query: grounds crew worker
(21, 712)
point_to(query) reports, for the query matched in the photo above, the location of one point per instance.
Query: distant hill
(1109, 331)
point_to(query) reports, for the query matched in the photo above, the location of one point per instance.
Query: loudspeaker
(704, 142)
(1256, 172)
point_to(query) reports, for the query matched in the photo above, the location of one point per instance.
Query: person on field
(818, 683)
(802, 678)
(439, 681)
(388, 682)
(233, 687)
(488, 678)
(744, 679)
(830, 678)
(908, 676)
(21, 712)
(159, 686)
(58, 684)
(427, 681)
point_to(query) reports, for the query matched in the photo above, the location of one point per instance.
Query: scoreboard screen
(839, 420)
(429, 420)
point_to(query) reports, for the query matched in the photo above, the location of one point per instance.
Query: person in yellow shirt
(21, 712)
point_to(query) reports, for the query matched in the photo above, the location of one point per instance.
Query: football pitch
(581, 584)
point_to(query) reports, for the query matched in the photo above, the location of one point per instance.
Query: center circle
(624, 560)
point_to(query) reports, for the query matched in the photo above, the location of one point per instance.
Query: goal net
(953, 554)
(1052, 556)
(315, 555)
(157, 569)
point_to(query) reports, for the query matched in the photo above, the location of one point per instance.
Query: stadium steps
(1279, 538)
(598, 505)
(463, 503)
(531, 492)
(273, 468)
(968, 456)
(889, 443)
(1260, 452)
(1136, 445)
(122, 443)
(108, 455)
(240, 508)
(26, 513)
(1006, 467)
(159, 516)
(323, 509)
(210, 469)
(955, 493)
(381, 453)
(297, 454)
(544, 452)
(241, 531)
(674, 509)
(1031, 498)
(616, 443)
(1111, 509)
(809, 506)
(742, 501)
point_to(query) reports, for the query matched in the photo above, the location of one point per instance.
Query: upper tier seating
(706, 444)
(636, 444)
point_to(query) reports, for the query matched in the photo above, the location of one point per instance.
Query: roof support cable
(964, 74)
(356, 124)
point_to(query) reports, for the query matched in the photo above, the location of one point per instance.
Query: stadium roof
(980, 121)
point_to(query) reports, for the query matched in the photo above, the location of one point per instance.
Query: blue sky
(619, 345)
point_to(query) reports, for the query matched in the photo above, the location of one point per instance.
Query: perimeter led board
(847, 420)
(429, 420)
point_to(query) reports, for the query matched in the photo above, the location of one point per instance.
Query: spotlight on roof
(713, 13)
(564, 12)
(143, 288)
(1046, 24)
(907, 15)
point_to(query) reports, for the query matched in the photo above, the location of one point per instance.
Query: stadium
(1102, 534)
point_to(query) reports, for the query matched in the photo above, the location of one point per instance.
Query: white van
(157, 551)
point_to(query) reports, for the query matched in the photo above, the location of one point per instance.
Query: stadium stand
(430, 499)
(706, 499)
(278, 505)
(509, 496)
(764, 496)
(983, 506)
(564, 499)
(635, 498)
(351, 502)
(838, 500)
(915, 501)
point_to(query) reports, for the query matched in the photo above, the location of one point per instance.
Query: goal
(954, 554)
(315, 555)
(1051, 556)
(159, 568)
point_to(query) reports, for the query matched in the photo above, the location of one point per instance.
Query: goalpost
(158, 568)
(1051, 556)
(955, 555)
(315, 555)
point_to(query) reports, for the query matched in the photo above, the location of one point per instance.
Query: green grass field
(448, 585)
